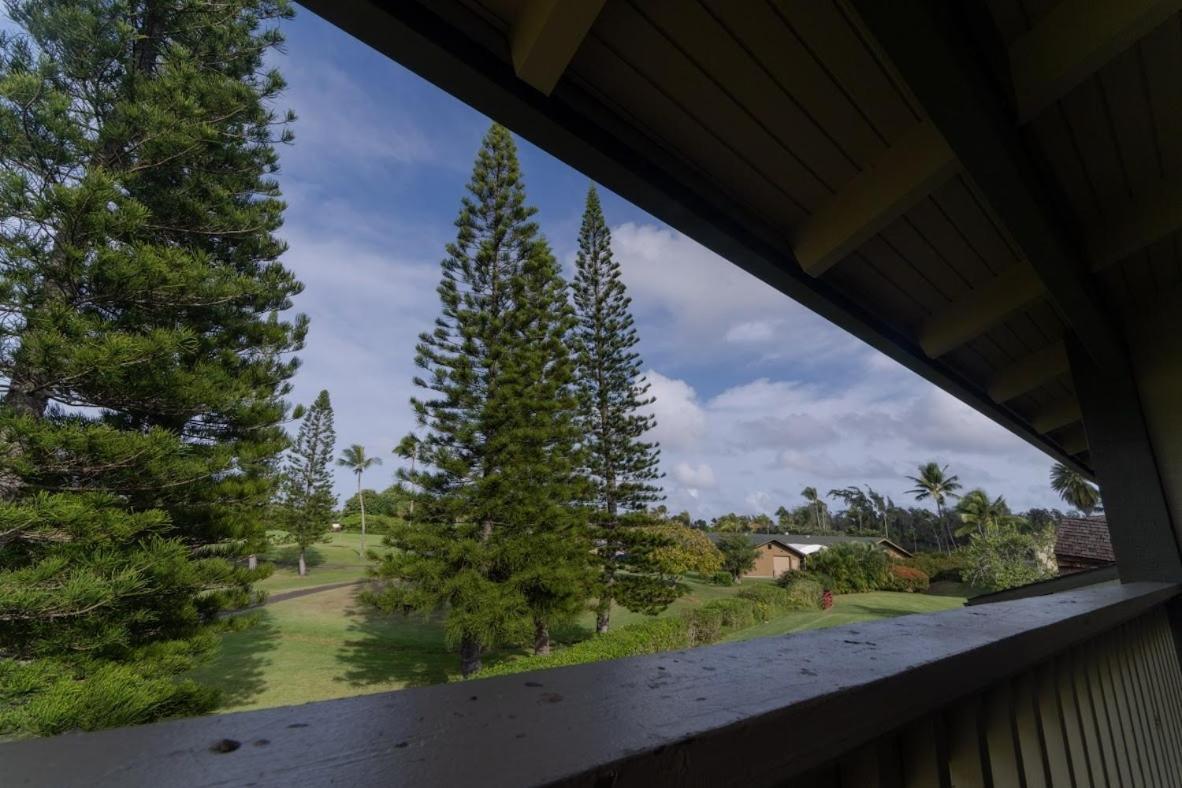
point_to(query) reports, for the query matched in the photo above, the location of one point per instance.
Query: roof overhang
(938, 179)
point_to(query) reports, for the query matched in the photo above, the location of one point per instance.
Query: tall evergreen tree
(620, 464)
(496, 538)
(307, 500)
(141, 341)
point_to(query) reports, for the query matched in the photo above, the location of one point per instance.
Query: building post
(1122, 452)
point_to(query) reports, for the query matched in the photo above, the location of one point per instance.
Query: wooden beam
(1149, 219)
(1074, 440)
(933, 48)
(1029, 373)
(980, 310)
(546, 36)
(1073, 41)
(907, 172)
(1056, 415)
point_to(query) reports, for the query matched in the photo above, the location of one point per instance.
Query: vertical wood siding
(1107, 713)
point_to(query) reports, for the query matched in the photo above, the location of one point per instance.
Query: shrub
(939, 566)
(854, 568)
(804, 593)
(646, 637)
(705, 625)
(722, 579)
(697, 627)
(906, 578)
(735, 613)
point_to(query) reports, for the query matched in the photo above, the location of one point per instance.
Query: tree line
(943, 528)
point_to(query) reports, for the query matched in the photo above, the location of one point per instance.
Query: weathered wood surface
(749, 714)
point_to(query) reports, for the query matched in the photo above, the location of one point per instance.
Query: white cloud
(694, 476)
(680, 419)
(765, 440)
(340, 121)
(751, 332)
(691, 303)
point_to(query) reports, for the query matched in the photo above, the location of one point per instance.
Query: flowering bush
(905, 578)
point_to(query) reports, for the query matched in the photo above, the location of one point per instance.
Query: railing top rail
(747, 713)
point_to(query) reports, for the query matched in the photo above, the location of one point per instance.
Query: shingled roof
(1084, 538)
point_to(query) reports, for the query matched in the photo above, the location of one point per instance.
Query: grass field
(334, 562)
(324, 645)
(850, 609)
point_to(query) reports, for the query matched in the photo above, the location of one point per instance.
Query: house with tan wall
(780, 553)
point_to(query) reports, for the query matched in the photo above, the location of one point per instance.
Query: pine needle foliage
(140, 294)
(307, 499)
(497, 539)
(620, 465)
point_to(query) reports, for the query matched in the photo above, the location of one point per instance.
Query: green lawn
(324, 645)
(337, 561)
(849, 609)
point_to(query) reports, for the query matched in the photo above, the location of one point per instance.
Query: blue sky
(756, 396)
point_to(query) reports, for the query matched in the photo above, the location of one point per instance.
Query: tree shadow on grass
(238, 669)
(406, 650)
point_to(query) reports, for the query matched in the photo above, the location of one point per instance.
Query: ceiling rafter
(1029, 373)
(1150, 219)
(1073, 41)
(932, 47)
(980, 310)
(906, 173)
(1057, 415)
(546, 36)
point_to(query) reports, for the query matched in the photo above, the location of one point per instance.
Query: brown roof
(1084, 538)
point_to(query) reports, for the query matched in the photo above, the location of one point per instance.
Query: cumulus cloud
(751, 332)
(765, 440)
(681, 422)
(692, 303)
(697, 477)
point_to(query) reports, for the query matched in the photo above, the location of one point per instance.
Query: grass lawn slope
(325, 645)
(850, 609)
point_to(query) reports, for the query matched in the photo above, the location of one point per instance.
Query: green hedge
(697, 627)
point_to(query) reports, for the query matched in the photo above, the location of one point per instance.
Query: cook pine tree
(307, 500)
(143, 344)
(620, 465)
(496, 538)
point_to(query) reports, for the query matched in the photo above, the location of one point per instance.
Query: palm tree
(355, 460)
(408, 448)
(1074, 488)
(810, 495)
(979, 513)
(934, 482)
(882, 507)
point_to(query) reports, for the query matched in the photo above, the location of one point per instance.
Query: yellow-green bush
(697, 627)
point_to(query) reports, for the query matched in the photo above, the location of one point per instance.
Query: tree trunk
(469, 656)
(24, 397)
(603, 609)
(361, 500)
(252, 562)
(541, 637)
(303, 564)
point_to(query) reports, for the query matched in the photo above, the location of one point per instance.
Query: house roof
(759, 540)
(806, 544)
(1084, 537)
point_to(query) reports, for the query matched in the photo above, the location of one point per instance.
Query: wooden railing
(1077, 688)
